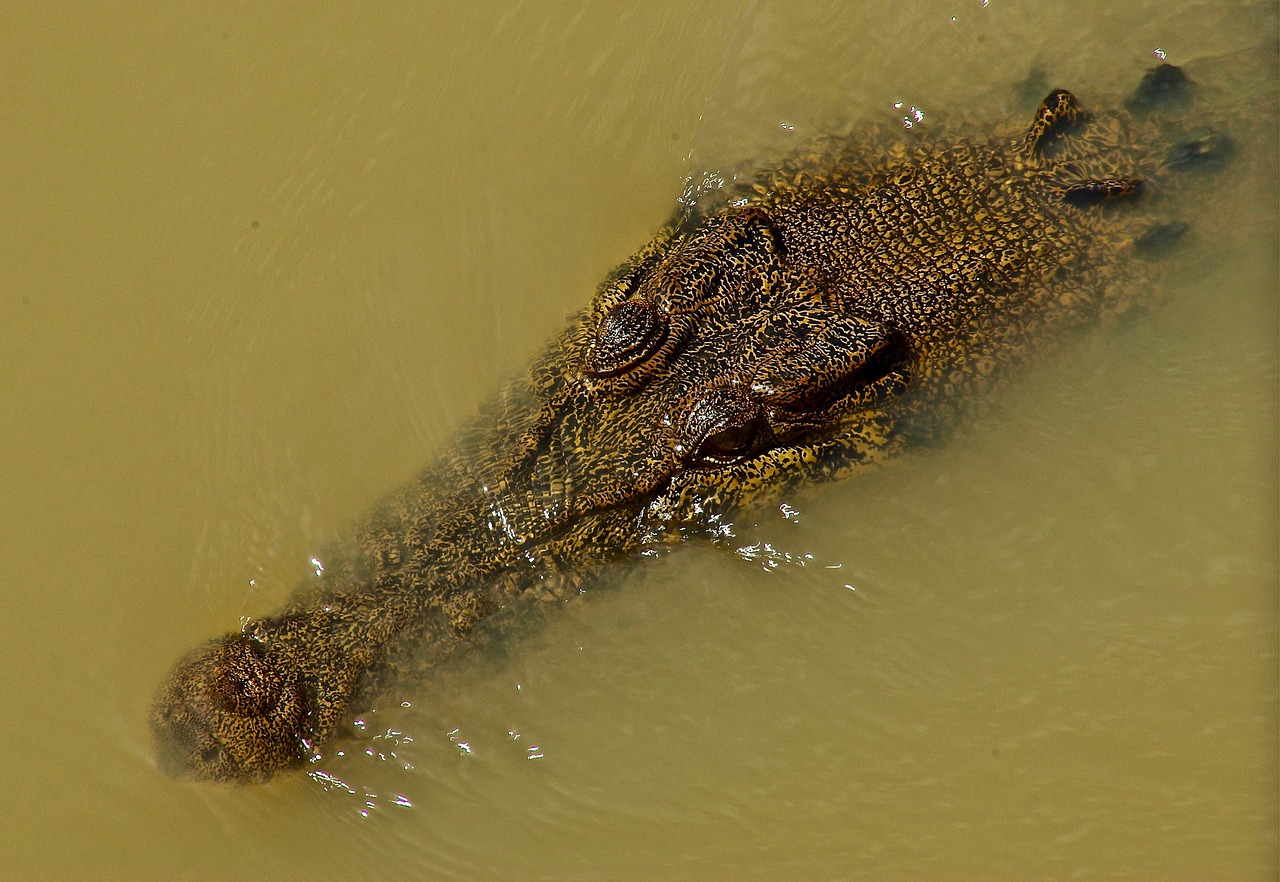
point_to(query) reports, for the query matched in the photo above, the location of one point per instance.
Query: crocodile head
(703, 375)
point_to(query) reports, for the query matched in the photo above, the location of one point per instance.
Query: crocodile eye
(728, 427)
(730, 445)
(631, 332)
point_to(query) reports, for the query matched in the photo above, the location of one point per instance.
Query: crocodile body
(814, 320)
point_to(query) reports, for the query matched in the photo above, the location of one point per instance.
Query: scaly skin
(812, 322)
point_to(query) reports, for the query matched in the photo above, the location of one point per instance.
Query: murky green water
(258, 262)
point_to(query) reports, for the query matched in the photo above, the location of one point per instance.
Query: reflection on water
(260, 265)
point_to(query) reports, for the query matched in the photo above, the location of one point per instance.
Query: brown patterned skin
(813, 321)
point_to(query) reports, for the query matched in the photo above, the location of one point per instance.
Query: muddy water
(259, 262)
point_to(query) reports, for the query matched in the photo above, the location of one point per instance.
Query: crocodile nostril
(243, 682)
(630, 333)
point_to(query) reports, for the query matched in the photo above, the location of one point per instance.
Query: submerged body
(817, 319)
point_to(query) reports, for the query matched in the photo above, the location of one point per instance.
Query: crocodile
(811, 320)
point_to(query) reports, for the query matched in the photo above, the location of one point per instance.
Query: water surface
(260, 263)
